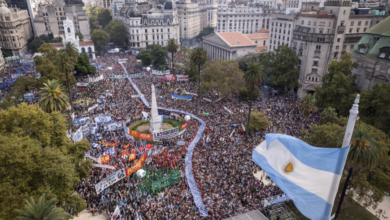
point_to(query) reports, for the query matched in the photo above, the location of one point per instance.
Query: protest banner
(81, 121)
(104, 166)
(102, 119)
(166, 134)
(93, 107)
(183, 126)
(137, 165)
(109, 180)
(105, 159)
(96, 79)
(171, 179)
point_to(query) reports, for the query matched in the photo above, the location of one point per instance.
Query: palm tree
(66, 65)
(307, 105)
(52, 97)
(71, 50)
(42, 210)
(199, 57)
(172, 47)
(253, 76)
(328, 115)
(364, 153)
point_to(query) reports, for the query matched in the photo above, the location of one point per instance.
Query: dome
(169, 5)
(4, 10)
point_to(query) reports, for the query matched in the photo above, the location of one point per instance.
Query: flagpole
(353, 116)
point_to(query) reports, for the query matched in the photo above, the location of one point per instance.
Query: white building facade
(233, 17)
(281, 30)
(156, 27)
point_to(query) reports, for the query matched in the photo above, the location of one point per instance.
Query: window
(335, 55)
(309, 23)
(357, 30)
(315, 63)
(344, 47)
(146, 30)
(318, 47)
(302, 22)
(338, 39)
(350, 30)
(337, 47)
(365, 29)
(351, 46)
(314, 71)
(352, 23)
(317, 54)
(359, 23)
(366, 23)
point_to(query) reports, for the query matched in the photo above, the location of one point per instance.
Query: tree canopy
(100, 39)
(37, 157)
(118, 33)
(222, 77)
(104, 17)
(283, 63)
(83, 66)
(338, 86)
(206, 31)
(258, 121)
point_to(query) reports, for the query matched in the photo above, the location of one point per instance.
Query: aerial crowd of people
(222, 160)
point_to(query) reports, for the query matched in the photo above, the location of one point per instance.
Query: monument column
(155, 119)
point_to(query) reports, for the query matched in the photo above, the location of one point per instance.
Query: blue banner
(81, 121)
(3, 85)
(9, 81)
(103, 119)
(174, 96)
(28, 96)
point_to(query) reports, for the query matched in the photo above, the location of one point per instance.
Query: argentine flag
(309, 175)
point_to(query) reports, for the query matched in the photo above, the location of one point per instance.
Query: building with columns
(15, 29)
(232, 17)
(228, 45)
(155, 27)
(70, 36)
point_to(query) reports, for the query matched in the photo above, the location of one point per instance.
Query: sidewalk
(384, 205)
(87, 215)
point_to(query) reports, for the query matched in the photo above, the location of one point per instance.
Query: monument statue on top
(155, 119)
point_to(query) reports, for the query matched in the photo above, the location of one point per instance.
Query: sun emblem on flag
(289, 167)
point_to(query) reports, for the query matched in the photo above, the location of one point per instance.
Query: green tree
(337, 85)
(244, 60)
(253, 76)
(37, 157)
(246, 93)
(183, 56)
(118, 33)
(160, 55)
(258, 121)
(222, 77)
(104, 17)
(146, 57)
(206, 31)
(66, 65)
(6, 52)
(42, 210)
(284, 72)
(35, 44)
(52, 97)
(192, 72)
(375, 106)
(307, 106)
(100, 39)
(83, 66)
(71, 50)
(328, 115)
(48, 51)
(172, 48)
(80, 35)
(93, 23)
(199, 57)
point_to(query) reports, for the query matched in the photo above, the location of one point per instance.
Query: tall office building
(30, 5)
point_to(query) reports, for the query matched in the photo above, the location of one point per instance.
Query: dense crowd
(222, 162)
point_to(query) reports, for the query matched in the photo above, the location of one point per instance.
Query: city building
(155, 27)
(192, 20)
(103, 4)
(232, 17)
(51, 16)
(281, 31)
(322, 36)
(228, 45)
(83, 46)
(143, 7)
(372, 53)
(271, 4)
(261, 41)
(2, 62)
(15, 29)
(116, 5)
(212, 6)
(30, 5)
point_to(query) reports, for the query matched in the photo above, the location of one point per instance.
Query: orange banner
(134, 133)
(137, 165)
(144, 136)
(109, 144)
(126, 146)
(183, 126)
(131, 157)
(124, 153)
(105, 159)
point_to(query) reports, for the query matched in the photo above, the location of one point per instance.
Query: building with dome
(15, 29)
(52, 14)
(83, 46)
(155, 27)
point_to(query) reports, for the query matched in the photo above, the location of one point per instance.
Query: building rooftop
(262, 49)
(322, 15)
(58, 45)
(235, 39)
(86, 43)
(382, 28)
(262, 31)
(257, 36)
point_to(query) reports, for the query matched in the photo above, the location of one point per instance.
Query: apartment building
(281, 30)
(233, 17)
(51, 17)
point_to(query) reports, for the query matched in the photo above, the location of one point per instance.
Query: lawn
(350, 210)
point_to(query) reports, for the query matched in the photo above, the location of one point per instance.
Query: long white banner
(96, 79)
(97, 160)
(93, 107)
(104, 166)
(109, 180)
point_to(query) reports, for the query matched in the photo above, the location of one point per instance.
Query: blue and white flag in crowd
(309, 175)
(102, 119)
(81, 121)
(110, 151)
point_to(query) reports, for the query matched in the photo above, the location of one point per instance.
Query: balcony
(337, 3)
(352, 38)
(313, 37)
(340, 29)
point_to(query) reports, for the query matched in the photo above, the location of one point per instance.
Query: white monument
(155, 119)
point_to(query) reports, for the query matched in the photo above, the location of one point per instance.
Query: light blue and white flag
(103, 119)
(309, 175)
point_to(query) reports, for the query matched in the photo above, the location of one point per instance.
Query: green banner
(171, 179)
(205, 113)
